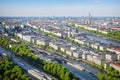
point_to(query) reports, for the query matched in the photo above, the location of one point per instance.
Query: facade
(77, 54)
(115, 49)
(84, 56)
(111, 56)
(55, 45)
(90, 57)
(95, 45)
(97, 60)
(42, 42)
(63, 49)
(102, 47)
(69, 52)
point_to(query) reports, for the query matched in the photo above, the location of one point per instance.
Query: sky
(59, 7)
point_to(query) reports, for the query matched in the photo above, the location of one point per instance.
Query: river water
(102, 40)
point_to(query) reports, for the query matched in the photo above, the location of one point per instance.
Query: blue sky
(59, 7)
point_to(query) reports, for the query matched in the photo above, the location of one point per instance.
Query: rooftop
(116, 64)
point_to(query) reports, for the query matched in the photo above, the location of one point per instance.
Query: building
(115, 49)
(55, 45)
(95, 45)
(43, 41)
(81, 40)
(65, 47)
(90, 57)
(77, 54)
(102, 47)
(111, 56)
(84, 56)
(116, 66)
(97, 60)
(69, 52)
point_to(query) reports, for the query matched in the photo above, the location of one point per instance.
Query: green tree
(1, 78)
(100, 76)
(13, 76)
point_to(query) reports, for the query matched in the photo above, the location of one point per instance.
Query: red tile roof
(116, 64)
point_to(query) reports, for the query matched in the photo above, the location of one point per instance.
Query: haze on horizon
(59, 7)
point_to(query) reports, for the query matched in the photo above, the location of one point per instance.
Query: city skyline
(59, 7)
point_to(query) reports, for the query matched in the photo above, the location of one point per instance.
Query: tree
(10, 71)
(28, 78)
(13, 76)
(23, 77)
(7, 73)
(112, 74)
(115, 73)
(1, 78)
(100, 76)
(58, 70)
(68, 74)
(75, 78)
(101, 66)
(1, 68)
(6, 78)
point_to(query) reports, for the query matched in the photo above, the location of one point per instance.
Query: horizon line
(59, 16)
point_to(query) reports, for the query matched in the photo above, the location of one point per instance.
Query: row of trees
(10, 71)
(21, 49)
(5, 43)
(112, 74)
(115, 35)
(24, 51)
(59, 71)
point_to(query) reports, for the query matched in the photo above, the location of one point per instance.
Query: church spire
(89, 19)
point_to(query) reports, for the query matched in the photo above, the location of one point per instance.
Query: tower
(89, 19)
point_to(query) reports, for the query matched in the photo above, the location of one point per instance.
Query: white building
(77, 54)
(55, 45)
(97, 60)
(69, 52)
(43, 41)
(111, 56)
(84, 56)
(28, 37)
(90, 57)
(95, 45)
(65, 47)
(102, 47)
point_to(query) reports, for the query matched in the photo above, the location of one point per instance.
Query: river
(102, 40)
